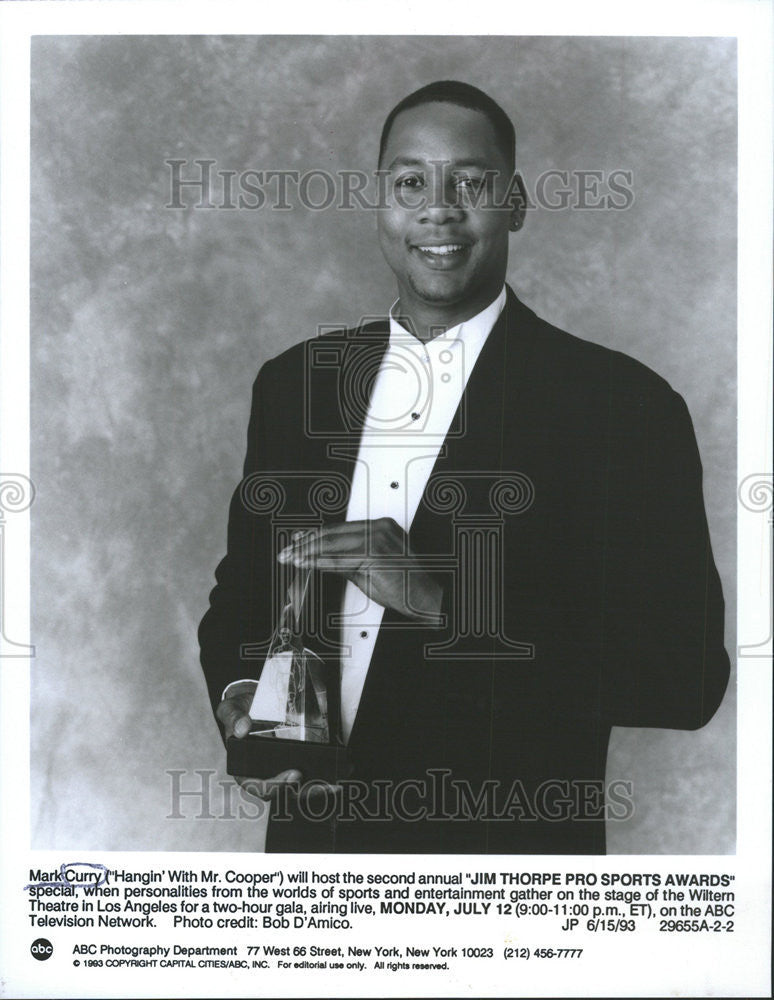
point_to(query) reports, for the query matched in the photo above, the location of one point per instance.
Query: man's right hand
(234, 715)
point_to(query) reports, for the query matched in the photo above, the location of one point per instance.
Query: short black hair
(464, 95)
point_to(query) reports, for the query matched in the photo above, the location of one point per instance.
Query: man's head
(448, 154)
(463, 95)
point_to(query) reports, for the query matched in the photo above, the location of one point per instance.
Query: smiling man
(449, 256)
(513, 556)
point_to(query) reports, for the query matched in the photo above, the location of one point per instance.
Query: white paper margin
(738, 967)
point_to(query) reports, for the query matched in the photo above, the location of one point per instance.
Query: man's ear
(517, 199)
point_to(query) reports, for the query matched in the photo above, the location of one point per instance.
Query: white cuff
(242, 680)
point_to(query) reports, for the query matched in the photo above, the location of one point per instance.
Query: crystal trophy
(293, 709)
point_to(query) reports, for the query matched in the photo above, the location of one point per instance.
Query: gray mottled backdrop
(148, 325)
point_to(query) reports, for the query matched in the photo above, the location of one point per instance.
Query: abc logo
(41, 949)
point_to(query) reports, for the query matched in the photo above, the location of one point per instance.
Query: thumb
(242, 726)
(235, 720)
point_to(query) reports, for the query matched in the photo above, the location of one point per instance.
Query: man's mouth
(444, 253)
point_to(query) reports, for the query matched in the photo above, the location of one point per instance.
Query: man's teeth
(447, 248)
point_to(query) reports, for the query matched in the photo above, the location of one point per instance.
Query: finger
(228, 713)
(242, 726)
(339, 564)
(347, 538)
(288, 777)
(268, 787)
(314, 788)
(296, 545)
(382, 536)
(356, 538)
(235, 719)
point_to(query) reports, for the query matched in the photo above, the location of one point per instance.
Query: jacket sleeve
(240, 612)
(664, 663)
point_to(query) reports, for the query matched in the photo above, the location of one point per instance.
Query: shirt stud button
(363, 635)
(394, 484)
(415, 416)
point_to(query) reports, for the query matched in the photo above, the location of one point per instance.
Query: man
(518, 559)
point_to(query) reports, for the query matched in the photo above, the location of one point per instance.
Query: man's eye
(466, 183)
(409, 181)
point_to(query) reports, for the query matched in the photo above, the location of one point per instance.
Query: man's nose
(443, 203)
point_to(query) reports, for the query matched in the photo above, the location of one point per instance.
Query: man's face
(448, 253)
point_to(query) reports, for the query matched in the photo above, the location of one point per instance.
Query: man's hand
(234, 714)
(374, 555)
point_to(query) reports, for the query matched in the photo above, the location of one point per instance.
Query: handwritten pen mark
(63, 880)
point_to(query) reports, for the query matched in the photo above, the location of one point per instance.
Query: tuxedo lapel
(361, 358)
(488, 415)
(483, 438)
(338, 387)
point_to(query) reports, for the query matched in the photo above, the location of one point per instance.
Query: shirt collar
(472, 332)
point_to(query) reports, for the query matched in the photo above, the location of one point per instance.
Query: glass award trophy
(294, 709)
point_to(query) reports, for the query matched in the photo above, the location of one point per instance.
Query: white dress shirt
(416, 393)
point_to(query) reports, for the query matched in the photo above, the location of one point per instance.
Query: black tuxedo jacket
(580, 594)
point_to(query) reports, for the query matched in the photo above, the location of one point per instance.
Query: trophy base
(266, 753)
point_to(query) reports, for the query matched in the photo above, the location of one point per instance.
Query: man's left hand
(374, 555)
